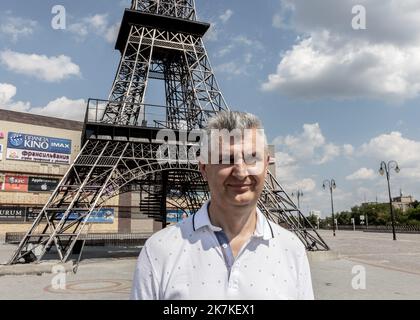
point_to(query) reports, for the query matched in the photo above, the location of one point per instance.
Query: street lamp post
(298, 195)
(331, 185)
(385, 169)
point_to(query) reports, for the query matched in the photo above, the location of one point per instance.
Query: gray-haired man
(228, 249)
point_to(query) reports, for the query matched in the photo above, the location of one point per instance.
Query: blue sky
(334, 100)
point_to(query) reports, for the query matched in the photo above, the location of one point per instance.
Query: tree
(376, 214)
(415, 204)
(344, 217)
(313, 219)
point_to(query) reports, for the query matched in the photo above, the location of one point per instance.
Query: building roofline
(37, 120)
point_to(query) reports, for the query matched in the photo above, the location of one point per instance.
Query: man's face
(237, 178)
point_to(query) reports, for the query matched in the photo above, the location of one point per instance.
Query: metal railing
(94, 239)
(145, 115)
(379, 228)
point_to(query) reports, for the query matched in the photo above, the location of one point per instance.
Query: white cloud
(303, 145)
(50, 69)
(348, 150)
(7, 92)
(98, 21)
(62, 107)
(230, 68)
(286, 168)
(393, 146)
(242, 49)
(333, 60)
(213, 33)
(248, 57)
(388, 21)
(330, 152)
(79, 29)
(226, 15)
(288, 174)
(224, 50)
(315, 69)
(299, 156)
(112, 33)
(306, 185)
(278, 21)
(362, 174)
(95, 24)
(15, 27)
(241, 42)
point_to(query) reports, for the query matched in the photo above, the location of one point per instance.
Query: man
(228, 249)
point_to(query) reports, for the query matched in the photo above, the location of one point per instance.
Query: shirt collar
(201, 219)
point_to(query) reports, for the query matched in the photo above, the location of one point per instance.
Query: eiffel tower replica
(121, 148)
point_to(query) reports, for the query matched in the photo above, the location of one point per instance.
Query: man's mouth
(240, 186)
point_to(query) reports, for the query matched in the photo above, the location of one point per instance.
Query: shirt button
(224, 245)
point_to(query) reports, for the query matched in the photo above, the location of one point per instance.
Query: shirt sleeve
(145, 283)
(305, 281)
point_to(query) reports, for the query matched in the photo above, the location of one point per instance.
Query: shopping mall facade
(35, 153)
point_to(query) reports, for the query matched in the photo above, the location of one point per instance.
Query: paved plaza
(367, 266)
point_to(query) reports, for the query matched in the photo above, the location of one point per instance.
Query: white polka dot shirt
(193, 260)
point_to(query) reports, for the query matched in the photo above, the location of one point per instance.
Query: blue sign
(38, 143)
(175, 215)
(103, 215)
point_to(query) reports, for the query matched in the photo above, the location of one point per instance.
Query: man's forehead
(241, 145)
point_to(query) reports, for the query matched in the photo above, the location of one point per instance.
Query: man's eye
(250, 161)
(256, 157)
(224, 160)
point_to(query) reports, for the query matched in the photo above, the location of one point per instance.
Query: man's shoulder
(170, 235)
(286, 237)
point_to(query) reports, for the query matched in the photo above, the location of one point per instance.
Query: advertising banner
(36, 184)
(175, 215)
(28, 147)
(32, 213)
(16, 183)
(12, 213)
(103, 215)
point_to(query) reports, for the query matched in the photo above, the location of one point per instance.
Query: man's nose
(240, 170)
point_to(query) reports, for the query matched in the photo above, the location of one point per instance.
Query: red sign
(16, 183)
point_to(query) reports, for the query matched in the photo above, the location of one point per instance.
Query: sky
(335, 83)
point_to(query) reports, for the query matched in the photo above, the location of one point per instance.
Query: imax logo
(60, 145)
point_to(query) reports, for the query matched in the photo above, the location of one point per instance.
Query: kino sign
(29, 147)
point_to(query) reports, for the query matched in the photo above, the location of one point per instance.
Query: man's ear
(202, 168)
(268, 159)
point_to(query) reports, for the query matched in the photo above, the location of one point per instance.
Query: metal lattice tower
(158, 39)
